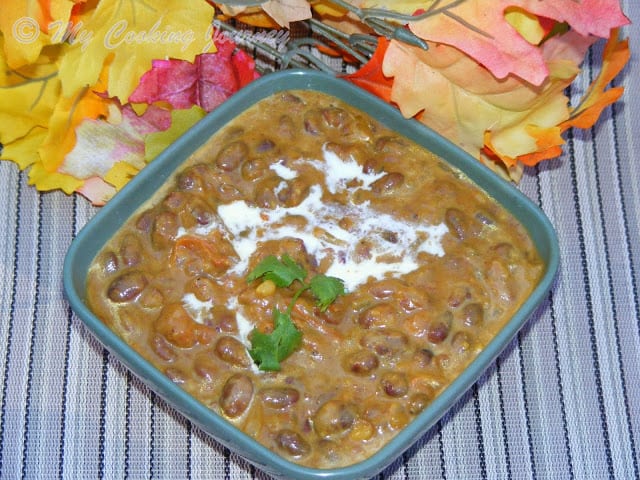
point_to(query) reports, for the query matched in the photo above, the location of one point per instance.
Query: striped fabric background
(562, 402)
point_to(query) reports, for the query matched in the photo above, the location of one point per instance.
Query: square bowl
(110, 218)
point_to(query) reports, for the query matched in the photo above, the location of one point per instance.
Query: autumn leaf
(285, 12)
(29, 26)
(615, 56)
(479, 29)
(207, 82)
(24, 150)
(181, 121)
(28, 95)
(269, 14)
(370, 77)
(460, 99)
(67, 114)
(135, 32)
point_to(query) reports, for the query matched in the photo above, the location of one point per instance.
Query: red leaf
(370, 76)
(207, 82)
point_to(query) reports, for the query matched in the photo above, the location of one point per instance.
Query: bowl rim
(94, 235)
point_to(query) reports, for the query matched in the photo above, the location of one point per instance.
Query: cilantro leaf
(269, 349)
(326, 289)
(283, 272)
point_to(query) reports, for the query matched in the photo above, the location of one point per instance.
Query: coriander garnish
(269, 349)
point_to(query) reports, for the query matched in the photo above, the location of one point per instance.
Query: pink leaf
(207, 82)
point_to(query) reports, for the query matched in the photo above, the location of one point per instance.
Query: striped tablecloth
(563, 400)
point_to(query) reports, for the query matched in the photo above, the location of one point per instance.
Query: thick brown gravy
(433, 269)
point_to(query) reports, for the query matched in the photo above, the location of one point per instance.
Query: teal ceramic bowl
(109, 219)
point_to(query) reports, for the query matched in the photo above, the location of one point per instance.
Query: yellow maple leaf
(67, 114)
(29, 26)
(27, 95)
(24, 150)
(135, 32)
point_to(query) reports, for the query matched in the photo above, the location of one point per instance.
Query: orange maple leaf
(370, 77)
(615, 56)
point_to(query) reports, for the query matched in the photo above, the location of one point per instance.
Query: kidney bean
(265, 145)
(109, 262)
(232, 351)
(458, 295)
(384, 341)
(236, 395)
(162, 348)
(206, 367)
(165, 229)
(289, 97)
(131, 250)
(176, 375)
(279, 397)
(379, 315)
(127, 286)
(439, 328)
(385, 289)
(177, 327)
(462, 342)
(175, 201)
(144, 222)
(286, 127)
(423, 357)
(473, 314)
(265, 193)
(253, 169)
(202, 287)
(333, 418)
(232, 155)
(314, 122)
(201, 213)
(294, 192)
(503, 250)
(151, 298)
(394, 384)
(388, 183)
(417, 324)
(418, 402)
(195, 178)
(335, 117)
(391, 145)
(292, 443)
(362, 362)
(228, 192)
(498, 280)
(457, 223)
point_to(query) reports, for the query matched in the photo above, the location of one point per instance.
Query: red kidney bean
(380, 315)
(127, 286)
(292, 443)
(388, 183)
(236, 396)
(472, 314)
(385, 341)
(232, 155)
(165, 229)
(279, 397)
(333, 418)
(394, 384)
(362, 362)
(232, 351)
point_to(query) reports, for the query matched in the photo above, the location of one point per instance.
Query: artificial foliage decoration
(92, 90)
